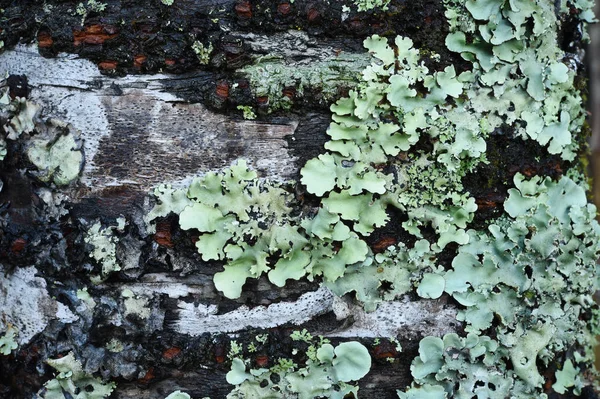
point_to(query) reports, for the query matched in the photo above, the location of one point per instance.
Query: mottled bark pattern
(149, 112)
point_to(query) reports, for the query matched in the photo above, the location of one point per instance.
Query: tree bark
(150, 111)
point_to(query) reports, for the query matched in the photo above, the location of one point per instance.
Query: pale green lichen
(219, 207)
(135, 304)
(530, 85)
(328, 372)
(57, 153)
(270, 76)
(86, 298)
(568, 377)
(526, 281)
(72, 382)
(247, 111)
(167, 2)
(83, 9)
(8, 341)
(366, 5)
(24, 116)
(114, 346)
(103, 241)
(530, 278)
(202, 52)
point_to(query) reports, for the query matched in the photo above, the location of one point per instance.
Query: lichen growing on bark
(519, 81)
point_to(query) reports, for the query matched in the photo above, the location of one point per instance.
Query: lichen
(57, 153)
(103, 241)
(328, 372)
(72, 382)
(406, 138)
(202, 52)
(135, 304)
(366, 5)
(247, 111)
(7, 340)
(270, 76)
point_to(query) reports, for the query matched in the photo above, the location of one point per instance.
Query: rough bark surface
(150, 111)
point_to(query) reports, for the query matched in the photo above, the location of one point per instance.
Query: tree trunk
(157, 93)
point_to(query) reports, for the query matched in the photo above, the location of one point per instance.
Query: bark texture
(151, 110)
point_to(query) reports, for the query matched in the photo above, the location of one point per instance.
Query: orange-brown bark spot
(94, 34)
(222, 89)
(139, 60)
(18, 245)
(284, 8)
(108, 65)
(171, 353)
(289, 92)
(149, 376)
(384, 350)
(44, 40)
(163, 234)
(244, 9)
(383, 243)
(262, 360)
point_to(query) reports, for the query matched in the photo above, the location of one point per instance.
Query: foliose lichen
(365, 5)
(52, 146)
(57, 153)
(72, 382)
(103, 241)
(524, 285)
(8, 342)
(328, 372)
(270, 76)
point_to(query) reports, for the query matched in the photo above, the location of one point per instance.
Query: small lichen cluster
(365, 5)
(328, 372)
(279, 82)
(202, 52)
(8, 342)
(73, 382)
(104, 246)
(53, 147)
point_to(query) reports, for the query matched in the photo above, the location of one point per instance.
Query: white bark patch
(136, 134)
(25, 303)
(199, 319)
(402, 317)
(157, 283)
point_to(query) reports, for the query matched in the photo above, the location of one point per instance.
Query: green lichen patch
(529, 281)
(103, 241)
(57, 153)
(245, 223)
(22, 116)
(328, 372)
(202, 52)
(270, 77)
(404, 139)
(366, 5)
(459, 367)
(72, 382)
(7, 340)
